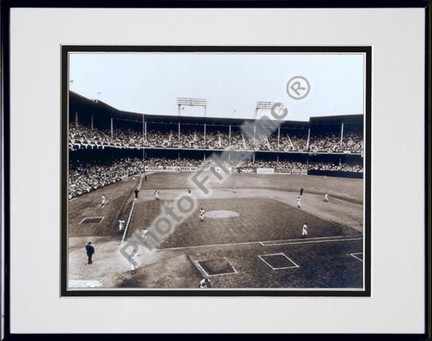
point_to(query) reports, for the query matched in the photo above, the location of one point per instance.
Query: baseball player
(201, 214)
(304, 230)
(104, 201)
(326, 197)
(204, 283)
(132, 262)
(121, 224)
(144, 234)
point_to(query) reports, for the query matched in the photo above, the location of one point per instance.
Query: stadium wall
(341, 174)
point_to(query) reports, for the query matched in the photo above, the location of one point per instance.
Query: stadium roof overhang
(97, 107)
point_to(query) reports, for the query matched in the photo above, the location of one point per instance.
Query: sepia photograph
(216, 171)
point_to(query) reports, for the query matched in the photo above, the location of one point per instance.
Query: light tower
(262, 105)
(183, 102)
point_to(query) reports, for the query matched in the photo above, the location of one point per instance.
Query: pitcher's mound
(221, 214)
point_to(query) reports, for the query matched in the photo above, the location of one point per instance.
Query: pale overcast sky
(231, 83)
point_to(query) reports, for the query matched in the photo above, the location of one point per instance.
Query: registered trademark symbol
(298, 87)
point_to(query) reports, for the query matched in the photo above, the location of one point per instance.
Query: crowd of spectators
(288, 141)
(325, 143)
(129, 138)
(294, 142)
(274, 164)
(188, 162)
(165, 162)
(332, 143)
(343, 167)
(353, 143)
(85, 136)
(85, 177)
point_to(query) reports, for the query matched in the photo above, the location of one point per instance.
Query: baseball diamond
(267, 222)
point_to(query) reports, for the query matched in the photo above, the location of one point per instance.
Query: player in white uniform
(204, 283)
(235, 189)
(298, 202)
(104, 201)
(121, 224)
(156, 194)
(132, 262)
(201, 215)
(304, 230)
(326, 197)
(144, 234)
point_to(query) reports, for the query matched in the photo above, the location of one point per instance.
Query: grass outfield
(342, 188)
(258, 247)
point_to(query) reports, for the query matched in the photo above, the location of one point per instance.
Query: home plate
(221, 214)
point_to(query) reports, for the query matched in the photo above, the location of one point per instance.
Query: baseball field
(250, 236)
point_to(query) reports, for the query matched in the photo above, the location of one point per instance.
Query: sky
(232, 83)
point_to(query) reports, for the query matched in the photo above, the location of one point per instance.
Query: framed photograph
(266, 161)
(253, 197)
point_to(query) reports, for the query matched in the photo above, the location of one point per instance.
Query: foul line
(139, 185)
(294, 242)
(313, 241)
(281, 242)
(130, 215)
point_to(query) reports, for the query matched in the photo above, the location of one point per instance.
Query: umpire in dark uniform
(90, 251)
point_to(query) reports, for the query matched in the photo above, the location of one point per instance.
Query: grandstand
(320, 145)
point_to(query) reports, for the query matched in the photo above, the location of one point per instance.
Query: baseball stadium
(208, 204)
